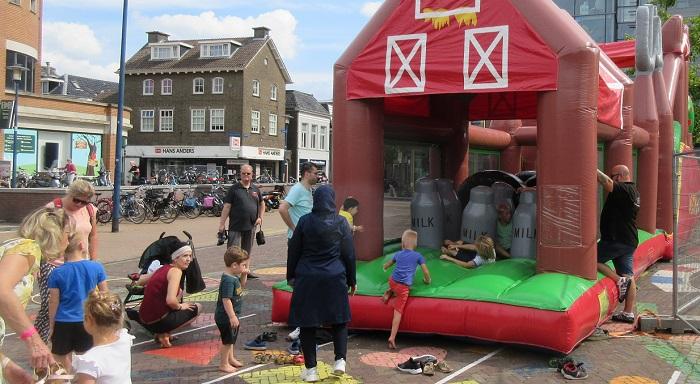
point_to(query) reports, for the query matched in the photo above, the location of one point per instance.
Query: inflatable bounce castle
(421, 70)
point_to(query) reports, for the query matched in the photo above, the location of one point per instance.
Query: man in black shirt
(618, 236)
(244, 208)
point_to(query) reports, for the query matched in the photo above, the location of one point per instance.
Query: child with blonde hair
(470, 255)
(69, 286)
(407, 261)
(230, 303)
(109, 360)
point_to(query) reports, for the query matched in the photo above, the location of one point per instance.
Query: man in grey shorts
(244, 208)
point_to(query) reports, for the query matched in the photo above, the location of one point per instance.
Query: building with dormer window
(214, 103)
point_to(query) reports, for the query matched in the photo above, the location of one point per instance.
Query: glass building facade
(604, 20)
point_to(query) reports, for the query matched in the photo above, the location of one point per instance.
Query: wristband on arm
(28, 333)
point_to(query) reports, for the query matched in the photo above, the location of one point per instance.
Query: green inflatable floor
(506, 282)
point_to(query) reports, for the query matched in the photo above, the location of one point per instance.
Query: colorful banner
(86, 153)
(26, 148)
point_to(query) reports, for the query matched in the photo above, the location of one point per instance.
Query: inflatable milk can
(524, 227)
(479, 216)
(503, 193)
(426, 214)
(451, 209)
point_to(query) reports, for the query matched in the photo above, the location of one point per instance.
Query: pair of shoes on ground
(260, 342)
(310, 375)
(425, 364)
(623, 285)
(569, 368)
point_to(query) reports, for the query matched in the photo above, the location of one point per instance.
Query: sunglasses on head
(80, 202)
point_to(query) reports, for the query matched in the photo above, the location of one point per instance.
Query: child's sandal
(55, 374)
(298, 360)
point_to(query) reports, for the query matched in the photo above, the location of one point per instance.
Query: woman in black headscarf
(321, 268)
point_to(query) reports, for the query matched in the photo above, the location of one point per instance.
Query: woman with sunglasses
(43, 235)
(77, 205)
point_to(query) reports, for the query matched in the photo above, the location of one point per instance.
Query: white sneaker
(294, 335)
(309, 375)
(339, 367)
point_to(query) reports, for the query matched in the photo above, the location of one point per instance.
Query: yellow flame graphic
(465, 18)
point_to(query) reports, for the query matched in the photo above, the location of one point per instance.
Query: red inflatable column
(664, 218)
(358, 163)
(456, 150)
(566, 168)
(619, 151)
(510, 157)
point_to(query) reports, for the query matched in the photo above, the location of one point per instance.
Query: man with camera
(244, 208)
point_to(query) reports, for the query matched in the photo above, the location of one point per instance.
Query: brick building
(51, 128)
(214, 103)
(309, 132)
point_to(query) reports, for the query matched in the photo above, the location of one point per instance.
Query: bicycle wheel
(104, 212)
(193, 212)
(169, 213)
(133, 212)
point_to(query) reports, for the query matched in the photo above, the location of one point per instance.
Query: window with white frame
(147, 120)
(18, 2)
(304, 135)
(255, 122)
(322, 138)
(273, 92)
(256, 88)
(166, 120)
(32, 5)
(272, 129)
(166, 87)
(217, 85)
(163, 52)
(198, 86)
(216, 50)
(148, 87)
(216, 120)
(198, 121)
(314, 135)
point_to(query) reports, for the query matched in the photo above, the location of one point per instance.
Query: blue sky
(81, 37)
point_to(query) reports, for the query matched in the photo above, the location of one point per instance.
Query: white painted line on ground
(674, 377)
(191, 330)
(236, 373)
(468, 367)
(10, 334)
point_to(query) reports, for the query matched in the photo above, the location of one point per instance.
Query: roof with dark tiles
(79, 87)
(141, 63)
(304, 102)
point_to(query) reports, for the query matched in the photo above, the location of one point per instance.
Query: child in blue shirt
(229, 305)
(407, 261)
(69, 287)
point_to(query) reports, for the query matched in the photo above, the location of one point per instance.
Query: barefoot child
(407, 261)
(228, 306)
(69, 286)
(109, 360)
(470, 255)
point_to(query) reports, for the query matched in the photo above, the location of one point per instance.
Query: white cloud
(209, 25)
(320, 84)
(370, 8)
(73, 39)
(81, 67)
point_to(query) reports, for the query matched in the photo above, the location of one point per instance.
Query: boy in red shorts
(407, 261)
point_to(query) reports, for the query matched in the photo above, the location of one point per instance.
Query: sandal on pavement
(443, 367)
(429, 369)
(55, 374)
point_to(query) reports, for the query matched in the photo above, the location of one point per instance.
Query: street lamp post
(118, 168)
(16, 78)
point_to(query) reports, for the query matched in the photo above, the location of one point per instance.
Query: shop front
(267, 163)
(39, 150)
(178, 158)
